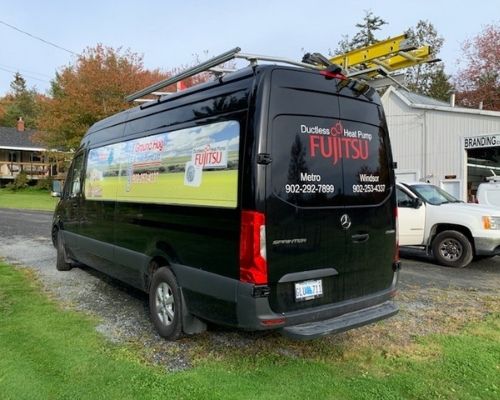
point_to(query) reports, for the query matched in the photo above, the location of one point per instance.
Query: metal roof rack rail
(213, 62)
(211, 65)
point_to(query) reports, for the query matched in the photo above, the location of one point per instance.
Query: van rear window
(324, 162)
(194, 166)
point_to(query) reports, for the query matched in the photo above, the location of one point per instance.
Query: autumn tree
(428, 78)
(92, 88)
(20, 102)
(479, 79)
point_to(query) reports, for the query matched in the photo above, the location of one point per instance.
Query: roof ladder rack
(213, 62)
(373, 63)
(212, 66)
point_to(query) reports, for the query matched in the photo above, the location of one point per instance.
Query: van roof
(125, 115)
(139, 111)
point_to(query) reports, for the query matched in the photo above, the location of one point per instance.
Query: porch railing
(34, 170)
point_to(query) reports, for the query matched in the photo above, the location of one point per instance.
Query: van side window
(403, 199)
(193, 166)
(74, 180)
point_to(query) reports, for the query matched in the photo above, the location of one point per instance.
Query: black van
(262, 200)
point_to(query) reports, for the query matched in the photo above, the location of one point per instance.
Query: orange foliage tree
(479, 81)
(92, 88)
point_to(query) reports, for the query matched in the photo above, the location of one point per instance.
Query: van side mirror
(56, 189)
(417, 203)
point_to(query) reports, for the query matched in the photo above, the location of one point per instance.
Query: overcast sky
(169, 33)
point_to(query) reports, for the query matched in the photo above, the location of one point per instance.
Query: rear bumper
(254, 313)
(342, 323)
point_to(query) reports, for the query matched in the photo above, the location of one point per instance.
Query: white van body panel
(489, 194)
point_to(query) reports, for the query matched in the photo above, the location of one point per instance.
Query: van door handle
(360, 237)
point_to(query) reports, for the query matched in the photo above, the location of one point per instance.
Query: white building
(452, 147)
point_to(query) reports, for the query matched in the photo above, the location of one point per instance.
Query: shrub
(44, 184)
(21, 181)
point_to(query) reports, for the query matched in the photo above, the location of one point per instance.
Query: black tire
(54, 234)
(61, 264)
(452, 249)
(165, 304)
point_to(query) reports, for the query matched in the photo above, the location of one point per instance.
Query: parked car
(452, 231)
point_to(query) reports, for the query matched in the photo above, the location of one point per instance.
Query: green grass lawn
(50, 353)
(29, 199)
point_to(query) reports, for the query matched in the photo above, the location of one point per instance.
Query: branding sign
(477, 142)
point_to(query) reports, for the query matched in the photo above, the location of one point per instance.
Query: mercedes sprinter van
(264, 199)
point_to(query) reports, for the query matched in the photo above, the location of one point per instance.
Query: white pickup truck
(451, 231)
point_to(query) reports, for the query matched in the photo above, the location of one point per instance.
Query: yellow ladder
(383, 58)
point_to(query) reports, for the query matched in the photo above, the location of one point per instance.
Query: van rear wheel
(165, 304)
(452, 249)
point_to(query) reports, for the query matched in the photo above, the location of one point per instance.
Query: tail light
(333, 75)
(253, 263)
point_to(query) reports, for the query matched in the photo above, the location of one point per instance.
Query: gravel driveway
(432, 299)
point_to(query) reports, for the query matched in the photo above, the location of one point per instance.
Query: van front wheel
(165, 304)
(453, 249)
(61, 263)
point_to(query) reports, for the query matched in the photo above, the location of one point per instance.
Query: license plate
(308, 290)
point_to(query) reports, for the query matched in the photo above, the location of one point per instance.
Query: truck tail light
(253, 262)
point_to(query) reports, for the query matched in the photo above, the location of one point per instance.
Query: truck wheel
(61, 264)
(453, 249)
(165, 304)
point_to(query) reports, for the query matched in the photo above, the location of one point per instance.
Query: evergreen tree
(20, 102)
(367, 28)
(440, 87)
(365, 37)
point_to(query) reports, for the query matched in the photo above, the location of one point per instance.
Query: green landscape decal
(194, 166)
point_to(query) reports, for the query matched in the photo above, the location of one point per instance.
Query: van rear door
(329, 216)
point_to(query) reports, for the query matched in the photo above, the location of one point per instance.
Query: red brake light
(332, 75)
(253, 264)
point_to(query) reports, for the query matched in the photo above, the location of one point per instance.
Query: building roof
(415, 100)
(11, 138)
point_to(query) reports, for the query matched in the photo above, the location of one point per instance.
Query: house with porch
(19, 153)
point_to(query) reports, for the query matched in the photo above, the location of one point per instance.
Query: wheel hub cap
(451, 249)
(165, 306)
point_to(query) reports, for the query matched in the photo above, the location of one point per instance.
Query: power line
(24, 75)
(39, 38)
(25, 70)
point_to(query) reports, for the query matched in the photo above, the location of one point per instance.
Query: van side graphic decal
(194, 166)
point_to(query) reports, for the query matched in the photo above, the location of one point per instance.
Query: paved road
(25, 239)
(32, 224)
